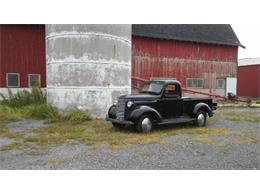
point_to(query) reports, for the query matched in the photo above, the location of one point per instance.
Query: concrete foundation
(88, 66)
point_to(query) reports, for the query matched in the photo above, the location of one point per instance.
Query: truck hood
(139, 97)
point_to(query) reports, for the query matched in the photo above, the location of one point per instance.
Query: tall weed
(23, 98)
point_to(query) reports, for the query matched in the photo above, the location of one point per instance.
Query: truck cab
(159, 102)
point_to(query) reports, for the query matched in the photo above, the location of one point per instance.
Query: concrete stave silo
(88, 66)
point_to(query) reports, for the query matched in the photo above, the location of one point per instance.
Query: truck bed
(189, 103)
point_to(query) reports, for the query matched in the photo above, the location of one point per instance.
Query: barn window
(221, 83)
(13, 79)
(194, 83)
(34, 80)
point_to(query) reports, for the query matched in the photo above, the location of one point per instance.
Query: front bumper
(118, 121)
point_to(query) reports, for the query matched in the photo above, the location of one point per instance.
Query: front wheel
(201, 119)
(145, 124)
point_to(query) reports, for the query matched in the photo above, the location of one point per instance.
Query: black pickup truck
(159, 102)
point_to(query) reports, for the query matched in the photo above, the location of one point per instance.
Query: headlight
(129, 104)
(115, 101)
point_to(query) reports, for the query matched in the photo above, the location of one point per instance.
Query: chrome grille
(120, 109)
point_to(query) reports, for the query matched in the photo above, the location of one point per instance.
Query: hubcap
(146, 125)
(201, 119)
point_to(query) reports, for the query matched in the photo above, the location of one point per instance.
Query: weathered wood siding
(22, 51)
(182, 60)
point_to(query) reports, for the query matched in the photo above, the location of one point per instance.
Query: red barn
(248, 77)
(22, 56)
(200, 56)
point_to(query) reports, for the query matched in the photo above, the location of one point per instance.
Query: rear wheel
(201, 119)
(145, 124)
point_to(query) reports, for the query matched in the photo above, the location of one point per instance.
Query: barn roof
(222, 34)
(249, 61)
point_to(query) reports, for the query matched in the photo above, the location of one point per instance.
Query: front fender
(137, 113)
(204, 107)
(112, 111)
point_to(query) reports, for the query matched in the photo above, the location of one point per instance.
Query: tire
(201, 119)
(145, 124)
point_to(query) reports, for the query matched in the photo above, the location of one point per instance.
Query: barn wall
(0, 54)
(181, 60)
(22, 51)
(248, 81)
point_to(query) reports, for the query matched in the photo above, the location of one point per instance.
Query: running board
(176, 120)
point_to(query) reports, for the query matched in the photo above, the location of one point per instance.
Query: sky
(249, 36)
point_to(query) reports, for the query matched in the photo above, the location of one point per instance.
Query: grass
(244, 113)
(242, 116)
(199, 153)
(79, 127)
(25, 104)
(55, 161)
(76, 116)
(98, 132)
(244, 119)
(42, 111)
(239, 106)
(222, 104)
(32, 105)
(4, 132)
(9, 114)
(247, 138)
(37, 111)
(23, 98)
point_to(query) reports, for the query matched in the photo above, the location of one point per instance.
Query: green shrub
(76, 116)
(25, 104)
(43, 111)
(9, 113)
(37, 95)
(23, 98)
(37, 111)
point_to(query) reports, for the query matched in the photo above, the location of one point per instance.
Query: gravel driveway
(238, 148)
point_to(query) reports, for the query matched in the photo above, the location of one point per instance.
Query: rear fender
(204, 107)
(142, 110)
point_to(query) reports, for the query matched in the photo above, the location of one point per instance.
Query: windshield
(152, 87)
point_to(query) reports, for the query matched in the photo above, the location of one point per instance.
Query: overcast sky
(249, 36)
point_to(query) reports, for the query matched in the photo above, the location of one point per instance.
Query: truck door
(170, 104)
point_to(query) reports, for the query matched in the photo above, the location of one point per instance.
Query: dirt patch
(24, 126)
(4, 141)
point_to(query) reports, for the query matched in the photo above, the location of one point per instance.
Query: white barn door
(231, 85)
